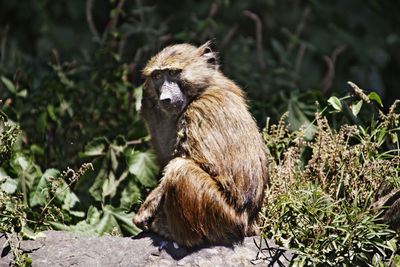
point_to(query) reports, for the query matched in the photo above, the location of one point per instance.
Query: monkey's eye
(174, 72)
(156, 75)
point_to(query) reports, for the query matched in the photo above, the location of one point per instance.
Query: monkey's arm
(147, 211)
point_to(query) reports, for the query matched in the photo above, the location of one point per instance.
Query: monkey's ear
(206, 51)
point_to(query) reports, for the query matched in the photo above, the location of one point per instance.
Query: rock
(60, 248)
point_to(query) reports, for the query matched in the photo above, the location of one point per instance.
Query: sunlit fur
(212, 153)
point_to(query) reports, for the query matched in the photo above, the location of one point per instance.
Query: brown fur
(215, 168)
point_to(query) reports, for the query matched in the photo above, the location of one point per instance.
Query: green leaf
(36, 149)
(374, 96)
(22, 93)
(9, 85)
(41, 122)
(298, 119)
(396, 260)
(7, 184)
(96, 147)
(40, 186)
(143, 166)
(99, 223)
(335, 103)
(138, 92)
(52, 114)
(27, 171)
(123, 218)
(70, 200)
(355, 108)
(96, 188)
(392, 244)
(130, 194)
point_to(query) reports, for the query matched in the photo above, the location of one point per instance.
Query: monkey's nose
(166, 102)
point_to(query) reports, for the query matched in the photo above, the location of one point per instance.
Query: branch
(89, 17)
(327, 81)
(209, 29)
(300, 28)
(134, 142)
(74, 177)
(257, 20)
(113, 22)
(228, 37)
(3, 42)
(122, 44)
(299, 59)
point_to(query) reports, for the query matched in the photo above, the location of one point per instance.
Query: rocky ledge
(58, 248)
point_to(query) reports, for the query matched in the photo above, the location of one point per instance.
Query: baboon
(212, 154)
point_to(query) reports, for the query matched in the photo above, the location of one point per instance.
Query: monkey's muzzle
(172, 99)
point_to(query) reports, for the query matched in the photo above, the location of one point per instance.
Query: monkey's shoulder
(218, 106)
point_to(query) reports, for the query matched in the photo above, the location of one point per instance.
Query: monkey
(209, 147)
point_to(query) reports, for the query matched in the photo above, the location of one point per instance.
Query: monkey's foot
(163, 245)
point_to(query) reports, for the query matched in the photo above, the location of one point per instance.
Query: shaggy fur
(212, 153)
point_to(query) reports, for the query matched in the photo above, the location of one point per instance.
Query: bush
(322, 207)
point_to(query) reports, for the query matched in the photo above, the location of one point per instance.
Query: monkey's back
(218, 133)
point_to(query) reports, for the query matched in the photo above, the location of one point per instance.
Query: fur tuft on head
(182, 56)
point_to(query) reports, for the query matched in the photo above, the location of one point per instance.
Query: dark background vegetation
(70, 81)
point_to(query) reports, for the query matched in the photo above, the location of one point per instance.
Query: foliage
(8, 136)
(322, 207)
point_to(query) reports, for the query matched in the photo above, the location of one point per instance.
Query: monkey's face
(171, 98)
(178, 74)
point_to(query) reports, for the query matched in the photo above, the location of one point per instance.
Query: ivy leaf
(99, 223)
(9, 85)
(138, 92)
(7, 184)
(335, 103)
(355, 108)
(52, 114)
(374, 96)
(143, 166)
(96, 147)
(27, 172)
(38, 194)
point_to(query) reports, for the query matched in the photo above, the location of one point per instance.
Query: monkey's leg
(196, 208)
(148, 209)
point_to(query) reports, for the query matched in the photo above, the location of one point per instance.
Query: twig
(16, 77)
(228, 37)
(134, 64)
(56, 56)
(122, 44)
(141, 14)
(299, 29)
(162, 39)
(113, 22)
(327, 81)
(73, 179)
(213, 10)
(209, 29)
(134, 142)
(257, 20)
(3, 42)
(359, 92)
(299, 59)
(89, 17)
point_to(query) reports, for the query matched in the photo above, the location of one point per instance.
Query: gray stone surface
(60, 248)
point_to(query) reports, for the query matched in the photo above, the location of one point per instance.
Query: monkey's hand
(147, 211)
